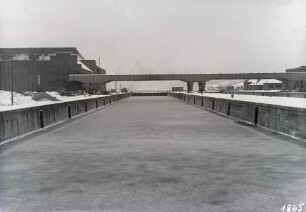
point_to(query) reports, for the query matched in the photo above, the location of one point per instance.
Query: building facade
(297, 85)
(44, 69)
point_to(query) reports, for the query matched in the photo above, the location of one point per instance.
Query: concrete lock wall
(17, 122)
(266, 93)
(287, 120)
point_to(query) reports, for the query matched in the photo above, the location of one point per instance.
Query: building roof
(300, 69)
(84, 67)
(253, 81)
(101, 70)
(9, 52)
(270, 81)
(91, 64)
(264, 81)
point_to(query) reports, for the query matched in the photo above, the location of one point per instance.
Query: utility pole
(99, 62)
(12, 81)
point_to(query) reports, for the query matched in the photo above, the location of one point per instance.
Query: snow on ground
(22, 101)
(5, 98)
(273, 100)
(260, 91)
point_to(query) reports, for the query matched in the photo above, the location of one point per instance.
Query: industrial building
(274, 84)
(297, 85)
(44, 69)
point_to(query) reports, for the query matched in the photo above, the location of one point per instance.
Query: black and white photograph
(152, 105)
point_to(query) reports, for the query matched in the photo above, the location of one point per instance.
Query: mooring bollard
(256, 116)
(69, 111)
(229, 109)
(41, 118)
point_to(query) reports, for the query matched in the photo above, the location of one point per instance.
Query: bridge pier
(201, 86)
(189, 87)
(103, 87)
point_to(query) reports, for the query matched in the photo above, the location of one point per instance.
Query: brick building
(44, 69)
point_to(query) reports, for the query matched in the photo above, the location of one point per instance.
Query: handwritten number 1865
(292, 208)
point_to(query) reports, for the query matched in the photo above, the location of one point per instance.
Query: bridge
(201, 79)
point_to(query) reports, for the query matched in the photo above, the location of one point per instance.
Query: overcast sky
(158, 36)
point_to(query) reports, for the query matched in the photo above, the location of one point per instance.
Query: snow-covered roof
(45, 57)
(7, 53)
(264, 81)
(21, 57)
(84, 66)
(253, 81)
(270, 81)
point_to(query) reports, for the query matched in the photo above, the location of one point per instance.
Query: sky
(164, 36)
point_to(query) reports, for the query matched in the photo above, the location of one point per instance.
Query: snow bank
(54, 94)
(25, 101)
(5, 98)
(273, 100)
